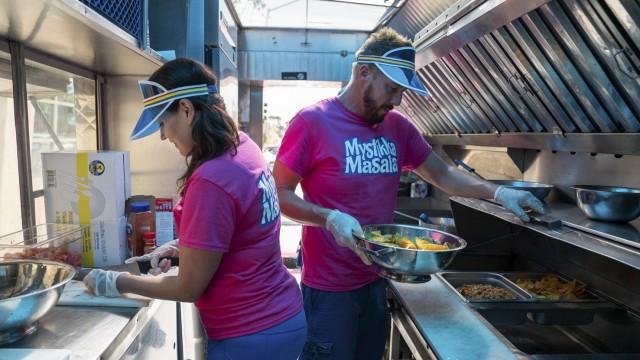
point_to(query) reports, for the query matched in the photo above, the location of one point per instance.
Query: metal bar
(609, 49)
(50, 60)
(454, 100)
(504, 83)
(443, 102)
(19, 79)
(418, 119)
(423, 107)
(50, 130)
(545, 104)
(470, 98)
(539, 116)
(627, 13)
(412, 337)
(594, 74)
(101, 110)
(616, 143)
(490, 116)
(479, 88)
(567, 71)
(551, 77)
(473, 65)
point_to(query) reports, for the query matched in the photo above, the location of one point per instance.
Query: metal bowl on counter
(538, 190)
(608, 203)
(408, 265)
(28, 290)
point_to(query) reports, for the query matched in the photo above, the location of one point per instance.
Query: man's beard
(373, 114)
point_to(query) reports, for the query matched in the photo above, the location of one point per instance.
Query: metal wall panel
(416, 14)
(324, 55)
(569, 66)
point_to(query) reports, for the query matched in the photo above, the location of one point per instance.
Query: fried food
(484, 292)
(551, 287)
(396, 239)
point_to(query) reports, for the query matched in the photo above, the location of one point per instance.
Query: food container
(561, 312)
(407, 265)
(497, 311)
(608, 203)
(28, 290)
(56, 242)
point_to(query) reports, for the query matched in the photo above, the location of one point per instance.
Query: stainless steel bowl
(28, 290)
(538, 190)
(608, 203)
(408, 265)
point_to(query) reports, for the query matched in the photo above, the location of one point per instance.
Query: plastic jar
(139, 221)
(149, 239)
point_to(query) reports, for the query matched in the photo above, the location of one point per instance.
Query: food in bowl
(551, 287)
(485, 292)
(397, 240)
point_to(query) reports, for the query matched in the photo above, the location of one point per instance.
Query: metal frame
(619, 143)
(19, 55)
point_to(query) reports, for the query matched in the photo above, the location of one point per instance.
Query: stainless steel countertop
(451, 328)
(89, 332)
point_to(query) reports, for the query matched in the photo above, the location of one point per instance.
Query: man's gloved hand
(516, 200)
(342, 226)
(102, 282)
(158, 266)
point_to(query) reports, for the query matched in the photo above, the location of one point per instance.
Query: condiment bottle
(149, 239)
(139, 221)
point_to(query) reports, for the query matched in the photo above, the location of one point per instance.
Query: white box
(90, 188)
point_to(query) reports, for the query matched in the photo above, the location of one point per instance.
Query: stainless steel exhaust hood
(558, 71)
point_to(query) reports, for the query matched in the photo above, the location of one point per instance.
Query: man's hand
(516, 200)
(342, 226)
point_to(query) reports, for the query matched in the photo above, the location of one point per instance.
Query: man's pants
(346, 325)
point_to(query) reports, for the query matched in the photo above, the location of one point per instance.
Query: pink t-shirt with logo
(349, 165)
(230, 205)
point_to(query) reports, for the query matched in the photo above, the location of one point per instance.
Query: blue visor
(399, 66)
(157, 100)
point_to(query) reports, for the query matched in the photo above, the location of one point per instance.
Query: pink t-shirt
(349, 165)
(230, 205)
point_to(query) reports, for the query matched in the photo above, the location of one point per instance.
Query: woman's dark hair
(213, 131)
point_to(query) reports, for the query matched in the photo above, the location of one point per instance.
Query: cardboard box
(90, 188)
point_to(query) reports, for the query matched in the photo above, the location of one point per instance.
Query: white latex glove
(342, 226)
(158, 266)
(102, 282)
(516, 200)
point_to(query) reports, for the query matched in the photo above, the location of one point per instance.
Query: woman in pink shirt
(228, 222)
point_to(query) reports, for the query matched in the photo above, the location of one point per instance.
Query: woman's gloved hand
(516, 200)
(158, 266)
(342, 226)
(102, 282)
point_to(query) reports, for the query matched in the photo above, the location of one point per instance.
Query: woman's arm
(197, 267)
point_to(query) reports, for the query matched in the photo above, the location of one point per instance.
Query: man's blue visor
(399, 66)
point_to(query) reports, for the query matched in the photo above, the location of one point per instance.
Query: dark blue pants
(346, 325)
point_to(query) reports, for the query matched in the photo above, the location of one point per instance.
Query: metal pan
(608, 203)
(407, 265)
(538, 190)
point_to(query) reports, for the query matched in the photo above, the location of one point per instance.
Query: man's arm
(291, 204)
(453, 181)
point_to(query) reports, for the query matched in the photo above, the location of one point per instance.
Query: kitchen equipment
(608, 203)
(55, 242)
(446, 224)
(407, 265)
(28, 290)
(75, 294)
(538, 190)
(496, 311)
(35, 354)
(135, 268)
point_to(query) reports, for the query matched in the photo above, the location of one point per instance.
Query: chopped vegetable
(398, 240)
(553, 288)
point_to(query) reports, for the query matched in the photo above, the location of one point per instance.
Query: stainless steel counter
(100, 332)
(451, 329)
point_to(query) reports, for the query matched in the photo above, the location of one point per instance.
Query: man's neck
(351, 101)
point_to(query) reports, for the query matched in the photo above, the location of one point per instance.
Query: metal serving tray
(456, 279)
(561, 312)
(499, 312)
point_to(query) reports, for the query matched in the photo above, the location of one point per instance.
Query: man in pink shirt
(347, 153)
